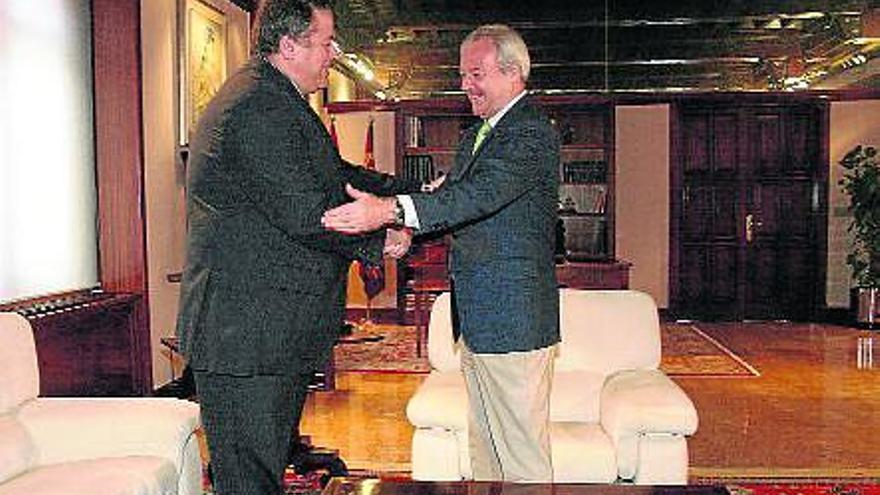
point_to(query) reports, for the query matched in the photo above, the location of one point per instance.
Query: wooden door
(749, 214)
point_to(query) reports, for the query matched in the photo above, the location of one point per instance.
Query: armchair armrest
(440, 402)
(70, 429)
(637, 403)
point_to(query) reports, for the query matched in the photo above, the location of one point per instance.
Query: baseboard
(837, 316)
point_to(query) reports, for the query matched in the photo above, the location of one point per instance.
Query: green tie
(481, 135)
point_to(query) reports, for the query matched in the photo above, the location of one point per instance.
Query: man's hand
(397, 242)
(434, 184)
(365, 214)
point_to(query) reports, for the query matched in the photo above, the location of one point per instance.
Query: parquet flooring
(813, 412)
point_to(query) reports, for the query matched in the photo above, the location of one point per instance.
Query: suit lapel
(464, 159)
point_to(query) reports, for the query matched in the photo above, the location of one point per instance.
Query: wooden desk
(347, 486)
(612, 274)
(424, 291)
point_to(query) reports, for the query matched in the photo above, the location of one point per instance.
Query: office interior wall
(164, 172)
(641, 204)
(852, 123)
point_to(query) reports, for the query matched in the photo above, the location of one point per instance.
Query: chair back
(20, 378)
(608, 330)
(602, 331)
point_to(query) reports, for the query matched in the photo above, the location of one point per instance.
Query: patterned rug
(804, 489)
(686, 350)
(393, 352)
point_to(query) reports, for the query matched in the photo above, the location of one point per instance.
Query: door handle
(751, 226)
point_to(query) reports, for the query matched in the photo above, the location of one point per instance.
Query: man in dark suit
(263, 292)
(499, 201)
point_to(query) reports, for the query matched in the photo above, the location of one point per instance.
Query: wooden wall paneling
(119, 144)
(120, 163)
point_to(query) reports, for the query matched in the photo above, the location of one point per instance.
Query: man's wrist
(398, 217)
(399, 213)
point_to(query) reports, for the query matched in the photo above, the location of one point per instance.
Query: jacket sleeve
(288, 173)
(378, 183)
(528, 152)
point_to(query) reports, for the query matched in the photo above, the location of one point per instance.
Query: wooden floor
(814, 412)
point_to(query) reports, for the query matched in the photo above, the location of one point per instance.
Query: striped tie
(481, 135)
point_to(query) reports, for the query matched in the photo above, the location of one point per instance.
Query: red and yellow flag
(369, 160)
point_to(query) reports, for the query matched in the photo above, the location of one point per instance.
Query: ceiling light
(804, 16)
(773, 24)
(861, 41)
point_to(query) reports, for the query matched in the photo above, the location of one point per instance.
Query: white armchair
(142, 446)
(614, 415)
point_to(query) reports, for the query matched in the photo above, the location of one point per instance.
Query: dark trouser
(249, 422)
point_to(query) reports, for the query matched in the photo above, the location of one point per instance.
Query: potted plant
(861, 181)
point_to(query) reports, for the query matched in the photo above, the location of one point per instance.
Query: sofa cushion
(20, 379)
(582, 453)
(17, 452)
(66, 429)
(574, 396)
(134, 475)
(441, 400)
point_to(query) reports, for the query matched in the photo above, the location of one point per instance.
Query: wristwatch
(399, 216)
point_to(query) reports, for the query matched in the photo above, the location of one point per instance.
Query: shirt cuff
(410, 217)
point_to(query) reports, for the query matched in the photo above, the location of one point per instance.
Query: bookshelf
(585, 181)
(427, 136)
(431, 130)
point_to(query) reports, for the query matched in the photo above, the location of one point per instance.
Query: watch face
(398, 213)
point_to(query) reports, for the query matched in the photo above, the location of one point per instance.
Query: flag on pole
(373, 276)
(369, 160)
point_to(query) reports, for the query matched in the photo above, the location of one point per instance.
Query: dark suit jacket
(263, 289)
(501, 206)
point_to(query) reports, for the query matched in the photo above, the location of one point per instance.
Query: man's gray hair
(509, 45)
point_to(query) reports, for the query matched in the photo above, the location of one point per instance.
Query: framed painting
(202, 61)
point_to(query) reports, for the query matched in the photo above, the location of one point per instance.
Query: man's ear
(287, 47)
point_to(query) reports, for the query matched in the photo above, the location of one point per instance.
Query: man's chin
(478, 109)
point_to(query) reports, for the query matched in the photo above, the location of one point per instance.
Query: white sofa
(615, 417)
(73, 446)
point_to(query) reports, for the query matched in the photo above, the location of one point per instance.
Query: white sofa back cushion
(602, 332)
(20, 379)
(608, 330)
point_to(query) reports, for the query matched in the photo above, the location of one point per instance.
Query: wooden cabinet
(586, 182)
(92, 347)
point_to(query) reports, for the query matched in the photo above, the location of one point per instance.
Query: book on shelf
(582, 198)
(419, 168)
(584, 172)
(415, 135)
(584, 235)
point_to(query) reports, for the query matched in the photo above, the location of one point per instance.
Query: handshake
(368, 213)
